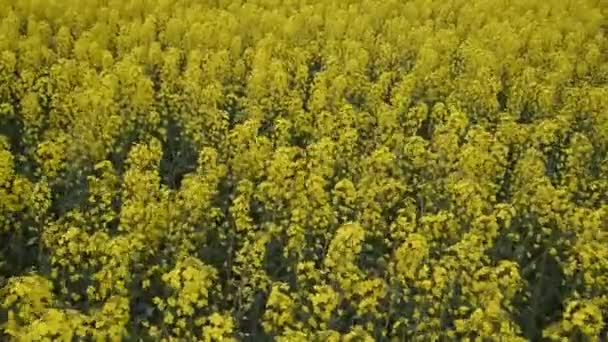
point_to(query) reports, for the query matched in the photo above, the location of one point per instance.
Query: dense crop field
(303, 170)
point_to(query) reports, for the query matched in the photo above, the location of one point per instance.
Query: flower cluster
(311, 170)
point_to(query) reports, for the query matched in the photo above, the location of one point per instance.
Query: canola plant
(303, 170)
